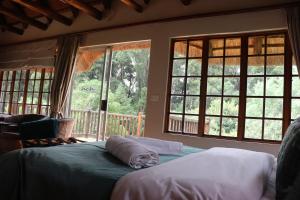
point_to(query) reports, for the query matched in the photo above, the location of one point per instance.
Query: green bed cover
(68, 172)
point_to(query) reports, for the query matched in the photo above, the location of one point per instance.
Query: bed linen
(78, 172)
(214, 174)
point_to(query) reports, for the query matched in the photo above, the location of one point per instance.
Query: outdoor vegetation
(128, 83)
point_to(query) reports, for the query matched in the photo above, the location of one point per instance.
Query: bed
(76, 171)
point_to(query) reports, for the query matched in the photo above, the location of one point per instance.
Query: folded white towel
(160, 146)
(132, 153)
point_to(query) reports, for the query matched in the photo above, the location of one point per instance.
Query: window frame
(25, 107)
(287, 87)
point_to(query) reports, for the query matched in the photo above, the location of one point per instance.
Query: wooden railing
(86, 124)
(190, 126)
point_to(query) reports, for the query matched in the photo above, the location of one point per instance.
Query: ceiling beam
(132, 4)
(86, 8)
(10, 28)
(44, 11)
(186, 2)
(23, 18)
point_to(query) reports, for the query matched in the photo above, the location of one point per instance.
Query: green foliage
(128, 83)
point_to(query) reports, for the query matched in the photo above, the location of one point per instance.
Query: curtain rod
(169, 19)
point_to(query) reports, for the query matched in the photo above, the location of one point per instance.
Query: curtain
(64, 68)
(28, 55)
(293, 21)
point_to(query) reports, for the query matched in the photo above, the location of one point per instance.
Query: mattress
(77, 171)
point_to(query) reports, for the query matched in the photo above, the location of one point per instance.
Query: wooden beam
(44, 11)
(167, 20)
(133, 4)
(186, 2)
(86, 8)
(23, 18)
(10, 28)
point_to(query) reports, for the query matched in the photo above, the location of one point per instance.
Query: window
(233, 87)
(25, 91)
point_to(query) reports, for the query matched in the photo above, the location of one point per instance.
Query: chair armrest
(40, 129)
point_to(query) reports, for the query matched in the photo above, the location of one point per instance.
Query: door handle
(103, 105)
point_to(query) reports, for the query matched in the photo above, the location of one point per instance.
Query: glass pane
(38, 74)
(231, 86)
(255, 86)
(273, 130)
(296, 86)
(295, 108)
(274, 108)
(180, 49)
(37, 86)
(20, 98)
(195, 48)
(35, 98)
(18, 73)
(216, 47)
(229, 127)
(254, 107)
(275, 65)
(48, 75)
(233, 47)
(295, 70)
(30, 85)
(191, 124)
(213, 125)
(192, 105)
(177, 85)
(29, 98)
(230, 106)
(275, 44)
(274, 86)
(15, 97)
(253, 129)
(179, 67)
(214, 86)
(8, 85)
(46, 86)
(175, 123)
(215, 66)
(45, 99)
(10, 73)
(194, 67)
(256, 65)
(176, 104)
(193, 86)
(213, 105)
(16, 86)
(232, 66)
(23, 74)
(7, 97)
(32, 74)
(5, 74)
(256, 45)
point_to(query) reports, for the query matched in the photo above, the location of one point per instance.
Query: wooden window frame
(287, 79)
(15, 94)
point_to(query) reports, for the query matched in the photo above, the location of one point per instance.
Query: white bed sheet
(221, 172)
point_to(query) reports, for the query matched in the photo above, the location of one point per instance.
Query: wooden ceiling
(17, 15)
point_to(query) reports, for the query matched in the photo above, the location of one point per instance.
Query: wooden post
(87, 123)
(139, 124)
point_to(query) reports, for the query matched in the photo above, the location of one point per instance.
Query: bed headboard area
(288, 173)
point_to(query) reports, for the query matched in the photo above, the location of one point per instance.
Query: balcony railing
(86, 124)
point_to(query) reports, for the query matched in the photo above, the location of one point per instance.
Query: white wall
(160, 35)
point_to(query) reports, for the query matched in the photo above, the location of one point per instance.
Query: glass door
(109, 91)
